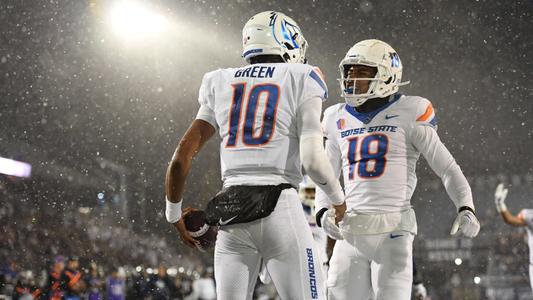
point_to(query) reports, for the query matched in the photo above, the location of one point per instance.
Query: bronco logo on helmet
(273, 33)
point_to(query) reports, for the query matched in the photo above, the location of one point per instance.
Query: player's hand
(499, 198)
(340, 210)
(329, 225)
(185, 236)
(466, 223)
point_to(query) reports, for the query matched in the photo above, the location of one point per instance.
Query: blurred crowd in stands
(65, 279)
(70, 255)
(52, 251)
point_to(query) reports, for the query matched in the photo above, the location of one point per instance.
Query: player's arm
(513, 220)
(323, 216)
(192, 142)
(426, 140)
(313, 156)
(499, 199)
(200, 131)
(334, 156)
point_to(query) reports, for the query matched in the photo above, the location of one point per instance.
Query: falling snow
(97, 109)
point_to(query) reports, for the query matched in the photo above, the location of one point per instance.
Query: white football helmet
(271, 32)
(306, 191)
(373, 53)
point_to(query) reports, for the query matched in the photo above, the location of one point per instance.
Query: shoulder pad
(332, 110)
(422, 110)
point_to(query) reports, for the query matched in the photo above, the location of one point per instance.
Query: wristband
(318, 216)
(466, 208)
(173, 211)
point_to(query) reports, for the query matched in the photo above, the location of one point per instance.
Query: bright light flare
(458, 261)
(477, 280)
(14, 168)
(172, 272)
(130, 19)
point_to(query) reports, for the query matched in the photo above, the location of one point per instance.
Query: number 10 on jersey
(371, 161)
(248, 126)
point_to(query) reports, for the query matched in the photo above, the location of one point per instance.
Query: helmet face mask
(273, 33)
(359, 81)
(376, 54)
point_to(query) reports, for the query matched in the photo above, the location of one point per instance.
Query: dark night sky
(72, 91)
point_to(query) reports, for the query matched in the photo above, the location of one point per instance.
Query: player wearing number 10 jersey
(375, 138)
(268, 117)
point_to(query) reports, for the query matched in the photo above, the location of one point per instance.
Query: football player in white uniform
(523, 219)
(376, 138)
(268, 117)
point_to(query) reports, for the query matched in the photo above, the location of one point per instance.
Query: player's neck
(266, 59)
(372, 104)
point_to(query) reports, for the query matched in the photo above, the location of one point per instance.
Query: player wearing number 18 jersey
(268, 117)
(375, 139)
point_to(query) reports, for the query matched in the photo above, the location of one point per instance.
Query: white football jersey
(375, 152)
(254, 109)
(527, 215)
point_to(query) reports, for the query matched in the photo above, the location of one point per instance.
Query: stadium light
(130, 19)
(477, 280)
(14, 168)
(84, 210)
(172, 272)
(458, 261)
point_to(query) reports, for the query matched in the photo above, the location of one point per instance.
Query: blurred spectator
(137, 285)
(183, 286)
(204, 287)
(161, 286)
(26, 289)
(94, 284)
(72, 280)
(116, 286)
(8, 275)
(54, 287)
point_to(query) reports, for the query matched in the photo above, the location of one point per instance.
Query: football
(195, 224)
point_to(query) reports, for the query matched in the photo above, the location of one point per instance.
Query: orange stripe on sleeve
(427, 113)
(317, 69)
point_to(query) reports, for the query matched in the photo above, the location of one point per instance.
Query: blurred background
(95, 95)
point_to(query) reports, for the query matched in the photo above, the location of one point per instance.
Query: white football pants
(380, 264)
(283, 241)
(531, 273)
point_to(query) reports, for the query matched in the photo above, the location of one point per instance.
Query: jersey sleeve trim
(319, 72)
(206, 114)
(315, 75)
(428, 115)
